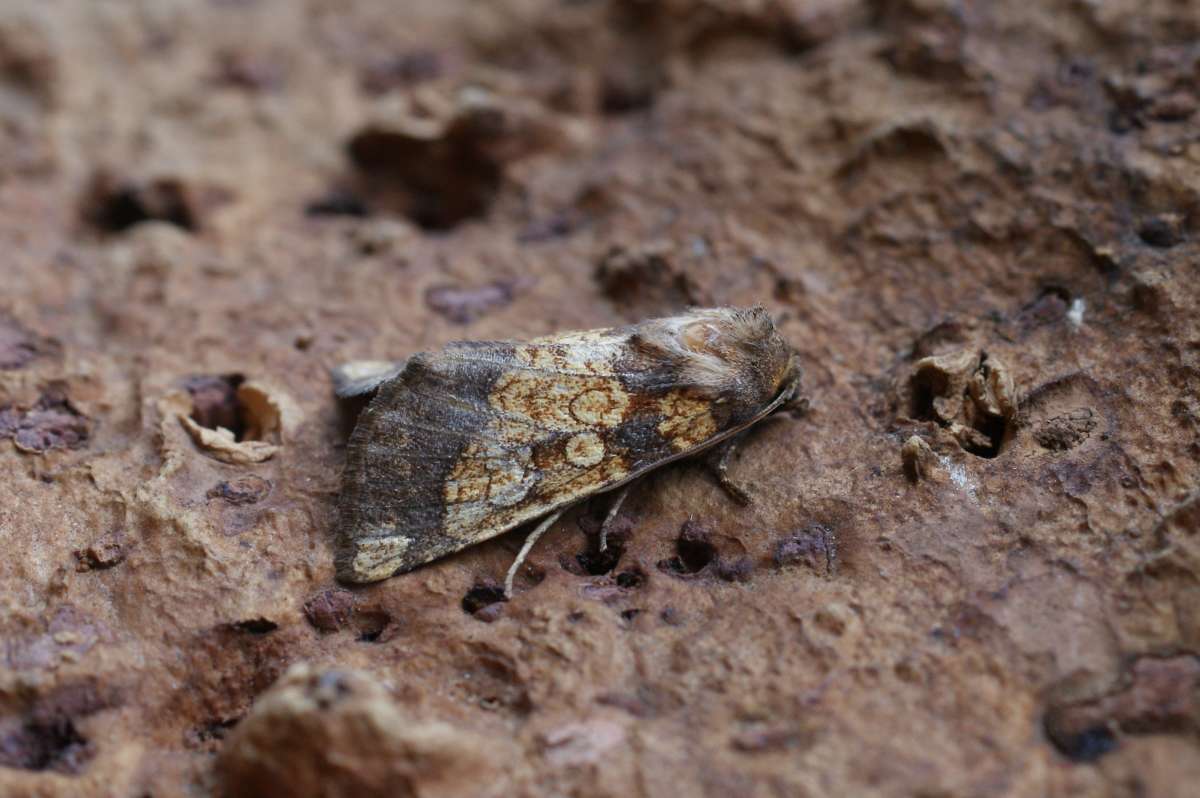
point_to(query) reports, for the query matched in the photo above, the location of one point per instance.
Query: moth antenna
(612, 515)
(528, 547)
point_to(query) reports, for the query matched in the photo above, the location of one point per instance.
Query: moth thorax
(701, 337)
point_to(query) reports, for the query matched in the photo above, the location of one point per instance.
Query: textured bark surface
(972, 568)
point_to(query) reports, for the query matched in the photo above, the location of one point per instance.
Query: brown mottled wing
(470, 442)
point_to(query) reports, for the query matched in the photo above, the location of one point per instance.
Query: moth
(461, 445)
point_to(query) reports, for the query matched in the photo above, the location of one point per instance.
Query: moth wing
(469, 443)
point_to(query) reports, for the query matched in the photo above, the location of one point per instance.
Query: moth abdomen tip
(361, 377)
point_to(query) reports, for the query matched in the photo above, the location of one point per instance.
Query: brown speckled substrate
(972, 568)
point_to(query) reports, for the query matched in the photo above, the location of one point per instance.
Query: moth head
(733, 354)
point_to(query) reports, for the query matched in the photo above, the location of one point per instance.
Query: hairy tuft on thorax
(716, 350)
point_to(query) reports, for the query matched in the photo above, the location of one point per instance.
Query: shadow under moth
(461, 445)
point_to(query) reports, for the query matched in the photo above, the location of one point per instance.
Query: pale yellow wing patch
(544, 447)
(687, 422)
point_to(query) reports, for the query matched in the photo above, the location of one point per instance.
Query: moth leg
(717, 459)
(524, 552)
(717, 462)
(797, 408)
(612, 514)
